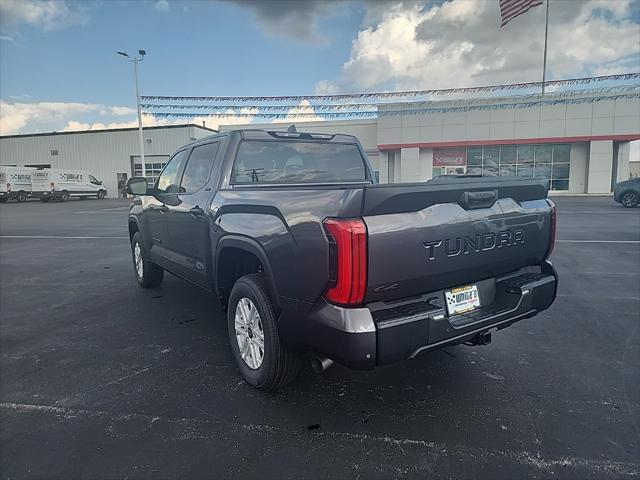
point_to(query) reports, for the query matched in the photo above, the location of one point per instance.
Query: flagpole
(546, 34)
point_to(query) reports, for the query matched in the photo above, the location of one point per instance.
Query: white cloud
(16, 117)
(162, 5)
(303, 107)
(6, 38)
(147, 121)
(46, 14)
(23, 117)
(460, 43)
(215, 122)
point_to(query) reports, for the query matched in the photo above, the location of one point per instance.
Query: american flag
(510, 9)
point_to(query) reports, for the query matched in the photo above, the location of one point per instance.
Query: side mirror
(137, 186)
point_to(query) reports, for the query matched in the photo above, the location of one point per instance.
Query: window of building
(526, 161)
(153, 166)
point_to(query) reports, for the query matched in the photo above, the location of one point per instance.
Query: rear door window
(260, 161)
(196, 173)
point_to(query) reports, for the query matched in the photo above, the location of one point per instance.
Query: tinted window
(196, 174)
(168, 179)
(297, 162)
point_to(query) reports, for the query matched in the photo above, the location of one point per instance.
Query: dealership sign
(449, 157)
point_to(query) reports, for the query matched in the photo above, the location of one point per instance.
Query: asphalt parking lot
(102, 379)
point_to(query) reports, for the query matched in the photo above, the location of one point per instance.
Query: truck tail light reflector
(554, 221)
(347, 260)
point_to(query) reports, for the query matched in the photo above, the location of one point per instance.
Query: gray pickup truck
(310, 257)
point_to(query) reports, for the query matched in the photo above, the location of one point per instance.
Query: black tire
(280, 365)
(64, 196)
(3, 200)
(629, 199)
(21, 197)
(152, 274)
(101, 194)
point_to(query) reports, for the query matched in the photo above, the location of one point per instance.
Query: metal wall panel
(102, 153)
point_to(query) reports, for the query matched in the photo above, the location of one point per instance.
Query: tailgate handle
(475, 200)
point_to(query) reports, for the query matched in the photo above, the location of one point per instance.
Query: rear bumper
(383, 333)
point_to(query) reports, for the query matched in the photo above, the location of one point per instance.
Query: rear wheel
(630, 199)
(148, 274)
(101, 194)
(264, 362)
(21, 197)
(64, 196)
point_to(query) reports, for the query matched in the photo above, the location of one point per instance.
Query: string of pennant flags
(371, 105)
(402, 111)
(398, 94)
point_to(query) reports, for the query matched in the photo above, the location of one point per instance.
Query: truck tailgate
(452, 232)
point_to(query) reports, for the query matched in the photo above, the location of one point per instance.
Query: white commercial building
(107, 154)
(580, 144)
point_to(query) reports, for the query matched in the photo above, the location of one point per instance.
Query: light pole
(136, 60)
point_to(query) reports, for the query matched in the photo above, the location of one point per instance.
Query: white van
(62, 184)
(15, 182)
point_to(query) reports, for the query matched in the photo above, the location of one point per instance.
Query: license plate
(462, 299)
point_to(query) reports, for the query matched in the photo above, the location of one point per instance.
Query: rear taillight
(347, 261)
(8, 187)
(554, 221)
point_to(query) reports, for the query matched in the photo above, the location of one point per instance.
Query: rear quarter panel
(287, 223)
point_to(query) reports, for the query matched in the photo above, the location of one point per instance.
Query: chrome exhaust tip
(320, 363)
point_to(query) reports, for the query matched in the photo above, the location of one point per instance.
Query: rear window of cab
(282, 162)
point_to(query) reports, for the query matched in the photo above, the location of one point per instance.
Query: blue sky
(196, 48)
(59, 69)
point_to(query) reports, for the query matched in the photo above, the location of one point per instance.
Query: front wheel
(21, 197)
(630, 199)
(64, 196)
(101, 194)
(264, 362)
(148, 274)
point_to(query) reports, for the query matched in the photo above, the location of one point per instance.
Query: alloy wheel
(629, 199)
(137, 257)
(249, 333)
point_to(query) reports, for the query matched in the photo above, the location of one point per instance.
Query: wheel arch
(133, 227)
(237, 256)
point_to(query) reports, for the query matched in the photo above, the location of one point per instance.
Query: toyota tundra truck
(310, 258)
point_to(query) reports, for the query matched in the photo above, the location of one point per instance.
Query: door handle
(196, 211)
(163, 208)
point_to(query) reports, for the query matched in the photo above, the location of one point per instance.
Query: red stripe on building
(514, 141)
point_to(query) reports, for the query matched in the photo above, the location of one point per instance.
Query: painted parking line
(62, 237)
